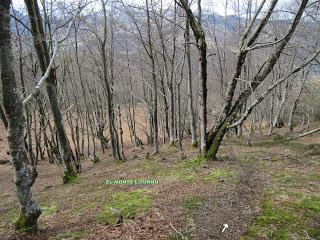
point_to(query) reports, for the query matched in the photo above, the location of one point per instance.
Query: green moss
(218, 174)
(287, 178)
(192, 164)
(28, 223)
(282, 218)
(69, 177)
(192, 203)
(96, 159)
(311, 203)
(195, 144)
(274, 222)
(125, 205)
(275, 215)
(70, 235)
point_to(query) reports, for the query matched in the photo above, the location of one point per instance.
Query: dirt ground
(269, 190)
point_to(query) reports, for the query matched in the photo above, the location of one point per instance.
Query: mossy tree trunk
(24, 175)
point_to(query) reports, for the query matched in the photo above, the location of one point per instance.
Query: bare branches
(270, 88)
(48, 70)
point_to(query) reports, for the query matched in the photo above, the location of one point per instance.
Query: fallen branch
(304, 134)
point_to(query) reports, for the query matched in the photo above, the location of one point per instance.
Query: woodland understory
(221, 107)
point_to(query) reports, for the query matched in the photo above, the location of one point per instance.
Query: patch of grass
(182, 175)
(274, 222)
(192, 203)
(311, 203)
(285, 215)
(150, 165)
(88, 205)
(70, 235)
(287, 178)
(218, 174)
(124, 205)
(192, 164)
(48, 210)
(314, 176)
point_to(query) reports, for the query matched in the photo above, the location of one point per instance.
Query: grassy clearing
(124, 205)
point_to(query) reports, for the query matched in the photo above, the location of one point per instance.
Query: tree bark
(202, 70)
(24, 175)
(71, 167)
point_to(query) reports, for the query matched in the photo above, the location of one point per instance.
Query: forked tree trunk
(24, 175)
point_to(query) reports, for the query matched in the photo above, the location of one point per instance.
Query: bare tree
(71, 167)
(24, 174)
(199, 35)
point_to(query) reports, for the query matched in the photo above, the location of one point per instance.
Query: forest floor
(269, 190)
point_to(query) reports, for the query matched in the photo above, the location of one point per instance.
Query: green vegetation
(48, 210)
(219, 174)
(124, 205)
(286, 213)
(70, 178)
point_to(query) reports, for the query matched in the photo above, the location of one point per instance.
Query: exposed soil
(235, 205)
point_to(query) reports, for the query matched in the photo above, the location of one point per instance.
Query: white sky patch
(217, 6)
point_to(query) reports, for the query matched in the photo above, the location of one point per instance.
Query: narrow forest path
(236, 204)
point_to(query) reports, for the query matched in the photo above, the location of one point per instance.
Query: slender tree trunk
(295, 103)
(202, 70)
(24, 175)
(71, 167)
(190, 90)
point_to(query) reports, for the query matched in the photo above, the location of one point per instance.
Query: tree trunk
(190, 90)
(71, 167)
(24, 175)
(202, 70)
